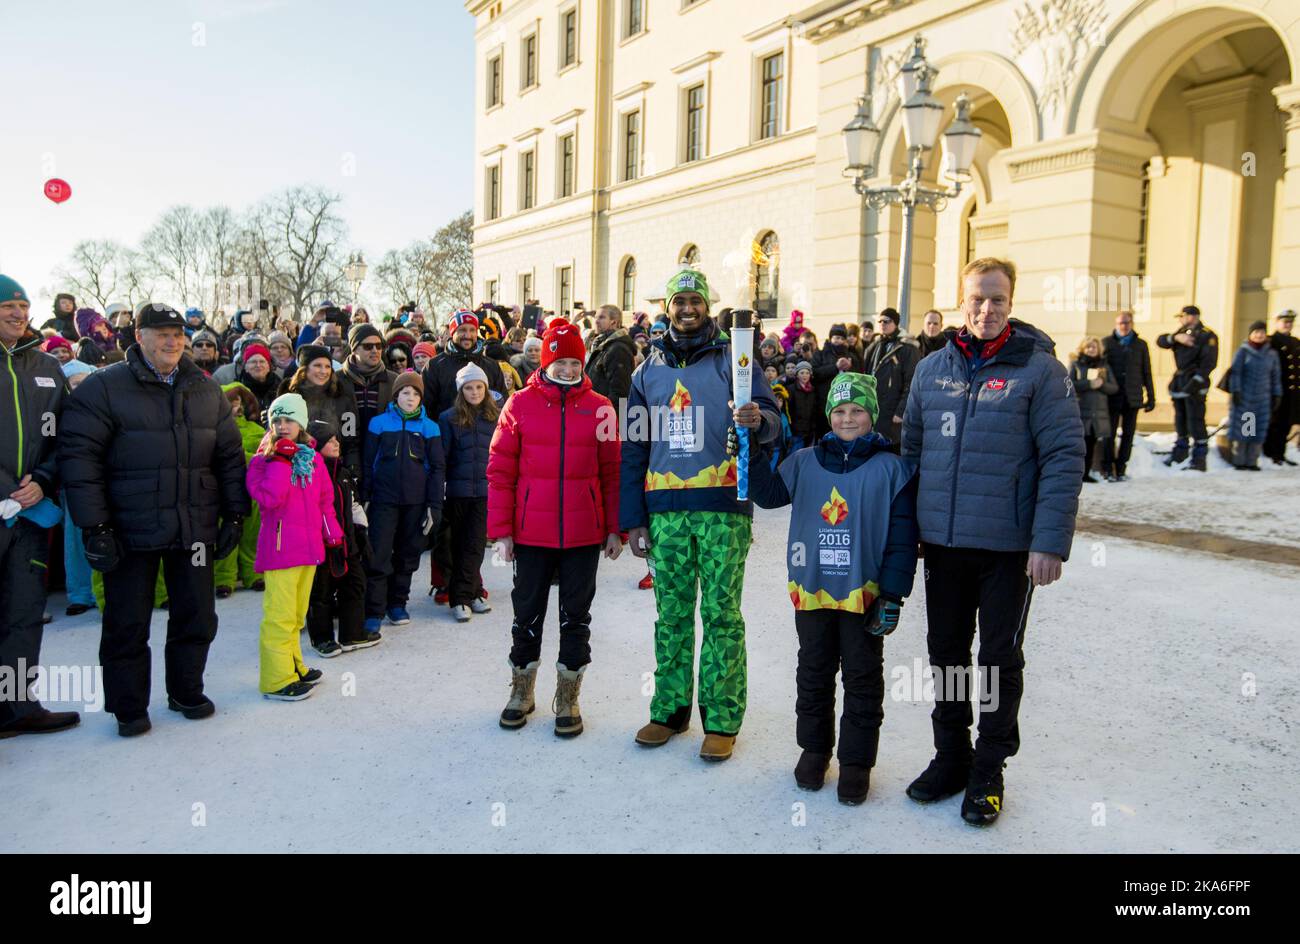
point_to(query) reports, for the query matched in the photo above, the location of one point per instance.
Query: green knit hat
(10, 290)
(850, 387)
(687, 280)
(291, 406)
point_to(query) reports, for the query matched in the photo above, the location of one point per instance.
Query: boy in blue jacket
(403, 485)
(852, 558)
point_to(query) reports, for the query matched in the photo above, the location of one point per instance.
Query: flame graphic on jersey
(835, 510)
(722, 475)
(858, 601)
(680, 400)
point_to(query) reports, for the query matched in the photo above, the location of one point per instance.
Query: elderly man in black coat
(152, 461)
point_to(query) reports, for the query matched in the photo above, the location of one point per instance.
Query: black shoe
(1089, 477)
(983, 800)
(312, 676)
(1198, 464)
(328, 649)
(258, 585)
(76, 609)
(1175, 458)
(1121, 477)
(365, 642)
(133, 727)
(1112, 477)
(223, 592)
(1290, 461)
(43, 722)
(294, 691)
(810, 772)
(855, 780)
(203, 709)
(946, 776)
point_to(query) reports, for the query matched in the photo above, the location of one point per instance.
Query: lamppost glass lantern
(909, 76)
(922, 115)
(961, 140)
(355, 271)
(861, 139)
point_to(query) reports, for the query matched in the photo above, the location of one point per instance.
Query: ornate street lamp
(355, 273)
(922, 117)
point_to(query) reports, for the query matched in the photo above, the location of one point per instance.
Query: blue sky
(142, 104)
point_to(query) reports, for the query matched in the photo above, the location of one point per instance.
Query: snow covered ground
(1253, 506)
(1140, 733)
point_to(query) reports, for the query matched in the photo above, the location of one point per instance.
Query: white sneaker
(461, 613)
(479, 605)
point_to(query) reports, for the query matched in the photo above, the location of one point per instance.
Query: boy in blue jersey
(852, 558)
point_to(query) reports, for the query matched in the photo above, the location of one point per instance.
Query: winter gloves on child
(884, 617)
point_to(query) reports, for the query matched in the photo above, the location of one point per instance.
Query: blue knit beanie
(11, 290)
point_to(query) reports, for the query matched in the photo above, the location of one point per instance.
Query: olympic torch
(742, 373)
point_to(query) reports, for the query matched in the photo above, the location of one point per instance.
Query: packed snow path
(1140, 733)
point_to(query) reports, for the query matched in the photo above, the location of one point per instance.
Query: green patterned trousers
(699, 554)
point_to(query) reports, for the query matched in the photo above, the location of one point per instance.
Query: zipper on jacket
(564, 399)
(1015, 497)
(279, 525)
(18, 413)
(956, 465)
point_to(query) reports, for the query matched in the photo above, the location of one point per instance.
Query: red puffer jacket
(552, 480)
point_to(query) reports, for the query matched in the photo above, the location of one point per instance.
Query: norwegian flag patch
(996, 384)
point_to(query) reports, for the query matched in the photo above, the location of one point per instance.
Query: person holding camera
(153, 466)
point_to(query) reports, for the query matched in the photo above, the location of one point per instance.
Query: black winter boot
(854, 783)
(946, 776)
(810, 772)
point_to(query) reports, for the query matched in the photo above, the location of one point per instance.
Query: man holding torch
(680, 507)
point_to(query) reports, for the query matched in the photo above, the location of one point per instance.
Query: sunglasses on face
(399, 360)
(205, 344)
(373, 346)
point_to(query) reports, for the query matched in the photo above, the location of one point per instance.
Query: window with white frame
(528, 179)
(569, 38)
(528, 62)
(493, 83)
(631, 147)
(564, 289)
(771, 95)
(629, 284)
(525, 287)
(490, 290)
(694, 108)
(492, 192)
(633, 17)
(566, 159)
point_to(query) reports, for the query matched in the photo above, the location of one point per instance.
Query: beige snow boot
(521, 704)
(568, 722)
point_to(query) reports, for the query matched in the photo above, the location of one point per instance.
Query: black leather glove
(103, 553)
(1149, 406)
(232, 529)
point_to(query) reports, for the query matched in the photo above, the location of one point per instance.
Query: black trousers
(1189, 422)
(467, 520)
(830, 642)
(961, 585)
(1126, 417)
(128, 610)
(534, 568)
(396, 543)
(23, 557)
(342, 598)
(1279, 424)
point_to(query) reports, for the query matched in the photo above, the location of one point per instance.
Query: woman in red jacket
(552, 505)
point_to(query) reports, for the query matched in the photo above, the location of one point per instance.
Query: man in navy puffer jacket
(994, 424)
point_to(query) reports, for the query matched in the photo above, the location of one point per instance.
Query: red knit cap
(251, 349)
(561, 341)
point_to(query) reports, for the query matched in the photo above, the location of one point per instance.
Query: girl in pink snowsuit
(288, 479)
